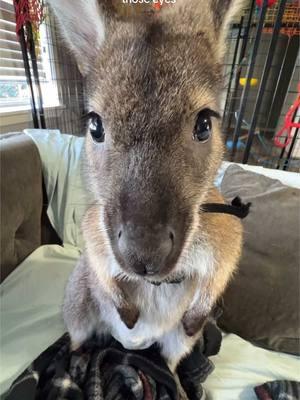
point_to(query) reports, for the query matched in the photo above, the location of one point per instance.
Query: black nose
(145, 250)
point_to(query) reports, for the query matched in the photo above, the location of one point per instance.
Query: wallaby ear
(210, 16)
(82, 26)
(223, 13)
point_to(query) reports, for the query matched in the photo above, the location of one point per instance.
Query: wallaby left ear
(223, 13)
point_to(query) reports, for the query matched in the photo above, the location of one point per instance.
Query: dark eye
(95, 127)
(203, 126)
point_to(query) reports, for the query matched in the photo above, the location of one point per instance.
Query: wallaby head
(153, 144)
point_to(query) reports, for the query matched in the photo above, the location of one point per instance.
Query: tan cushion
(262, 302)
(21, 200)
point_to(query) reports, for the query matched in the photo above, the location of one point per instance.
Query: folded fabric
(269, 266)
(103, 369)
(278, 390)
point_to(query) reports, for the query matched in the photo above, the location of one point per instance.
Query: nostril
(171, 236)
(119, 234)
(140, 269)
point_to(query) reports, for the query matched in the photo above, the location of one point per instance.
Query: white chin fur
(198, 260)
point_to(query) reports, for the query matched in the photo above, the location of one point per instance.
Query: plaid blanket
(278, 390)
(103, 369)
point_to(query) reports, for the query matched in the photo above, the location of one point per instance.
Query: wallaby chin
(154, 264)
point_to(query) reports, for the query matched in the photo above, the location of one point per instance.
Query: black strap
(237, 208)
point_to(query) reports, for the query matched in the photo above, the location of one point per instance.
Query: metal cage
(262, 75)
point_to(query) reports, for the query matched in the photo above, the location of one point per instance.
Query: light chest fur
(161, 307)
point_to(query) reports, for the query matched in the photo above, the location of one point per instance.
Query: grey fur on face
(153, 84)
(148, 108)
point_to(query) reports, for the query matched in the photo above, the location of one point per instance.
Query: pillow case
(261, 304)
(67, 196)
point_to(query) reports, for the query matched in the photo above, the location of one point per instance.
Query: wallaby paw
(192, 324)
(129, 314)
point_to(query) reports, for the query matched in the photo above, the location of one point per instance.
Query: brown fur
(148, 79)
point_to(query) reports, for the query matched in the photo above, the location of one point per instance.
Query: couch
(40, 243)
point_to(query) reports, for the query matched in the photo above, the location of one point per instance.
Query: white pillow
(285, 177)
(67, 197)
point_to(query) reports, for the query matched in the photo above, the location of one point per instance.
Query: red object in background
(157, 6)
(286, 131)
(270, 3)
(28, 11)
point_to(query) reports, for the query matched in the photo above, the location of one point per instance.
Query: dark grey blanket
(103, 369)
(278, 390)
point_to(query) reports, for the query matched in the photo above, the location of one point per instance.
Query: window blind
(11, 61)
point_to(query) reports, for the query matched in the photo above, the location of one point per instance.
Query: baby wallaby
(154, 263)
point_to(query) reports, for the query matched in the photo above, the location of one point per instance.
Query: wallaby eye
(95, 127)
(203, 126)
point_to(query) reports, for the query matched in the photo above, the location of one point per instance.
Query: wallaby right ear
(83, 27)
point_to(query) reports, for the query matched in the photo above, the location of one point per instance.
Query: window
(14, 93)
